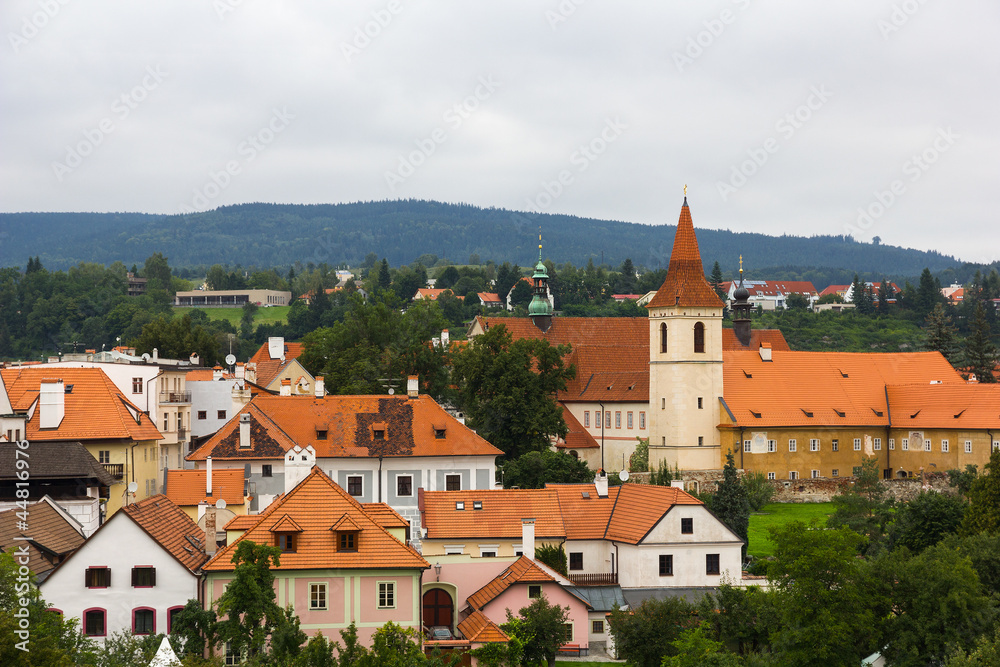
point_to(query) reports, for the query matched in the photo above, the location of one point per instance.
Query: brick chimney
(210, 546)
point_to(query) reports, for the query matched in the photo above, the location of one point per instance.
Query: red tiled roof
(174, 530)
(187, 487)
(521, 571)
(775, 287)
(499, 518)
(611, 332)
(52, 536)
(619, 373)
(242, 522)
(385, 516)
(836, 388)
(685, 284)
(206, 375)
(477, 628)
(757, 336)
(488, 297)
(313, 506)
(268, 368)
(433, 294)
(280, 422)
(953, 406)
(835, 289)
(577, 437)
(94, 410)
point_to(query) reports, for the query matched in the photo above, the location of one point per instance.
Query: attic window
(477, 504)
(439, 433)
(321, 434)
(347, 540)
(755, 414)
(960, 414)
(878, 413)
(749, 375)
(286, 542)
(378, 434)
(631, 387)
(68, 389)
(806, 412)
(460, 506)
(842, 373)
(914, 415)
(840, 413)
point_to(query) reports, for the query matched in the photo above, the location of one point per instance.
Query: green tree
(507, 275)
(730, 503)
(318, 652)
(644, 634)
(865, 507)
(541, 627)
(986, 653)
(287, 638)
(246, 319)
(553, 555)
(157, 271)
(744, 617)
(507, 388)
(626, 279)
(393, 646)
(248, 605)
(926, 520)
(177, 338)
(939, 334)
(928, 294)
(533, 470)
(521, 295)
(193, 629)
(796, 301)
(448, 277)
(715, 280)
(758, 488)
(980, 355)
(694, 648)
(639, 461)
(983, 514)
(384, 278)
(352, 653)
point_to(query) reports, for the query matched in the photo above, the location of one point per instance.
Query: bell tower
(685, 360)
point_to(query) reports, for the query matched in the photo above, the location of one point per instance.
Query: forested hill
(401, 231)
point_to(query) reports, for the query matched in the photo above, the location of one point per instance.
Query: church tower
(685, 360)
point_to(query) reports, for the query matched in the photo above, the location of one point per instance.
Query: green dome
(538, 306)
(540, 270)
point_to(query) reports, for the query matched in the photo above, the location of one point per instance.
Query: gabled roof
(685, 284)
(312, 504)
(610, 332)
(55, 460)
(268, 368)
(347, 423)
(171, 528)
(522, 571)
(53, 535)
(618, 373)
(385, 516)
(769, 288)
(432, 294)
(489, 297)
(285, 524)
(757, 336)
(242, 522)
(839, 290)
(823, 388)
(187, 487)
(478, 628)
(951, 406)
(500, 516)
(95, 409)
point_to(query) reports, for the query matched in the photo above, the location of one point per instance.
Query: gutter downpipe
(888, 432)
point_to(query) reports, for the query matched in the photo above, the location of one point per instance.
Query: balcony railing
(175, 397)
(116, 470)
(600, 579)
(181, 433)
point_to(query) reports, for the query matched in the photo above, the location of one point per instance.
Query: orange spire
(685, 284)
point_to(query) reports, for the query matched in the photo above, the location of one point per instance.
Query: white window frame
(618, 419)
(746, 445)
(453, 474)
(835, 472)
(642, 419)
(877, 444)
(772, 446)
(348, 480)
(321, 589)
(814, 474)
(968, 446)
(857, 444)
(927, 445)
(793, 475)
(629, 420)
(892, 443)
(489, 549)
(404, 495)
(814, 444)
(771, 475)
(793, 444)
(944, 446)
(454, 549)
(835, 445)
(386, 593)
(904, 444)
(586, 418)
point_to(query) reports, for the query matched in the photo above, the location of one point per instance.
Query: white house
(133, 574)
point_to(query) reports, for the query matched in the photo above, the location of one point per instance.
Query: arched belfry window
(663, 338)
(699, 337)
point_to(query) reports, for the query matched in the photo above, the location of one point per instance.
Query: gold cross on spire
(741, 263)
(685, 190)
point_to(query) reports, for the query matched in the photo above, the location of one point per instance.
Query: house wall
(210, 396)
(618, 442)
(120, 545)
(516, 597)
(293, 371)
(140, 463)
(597, 556)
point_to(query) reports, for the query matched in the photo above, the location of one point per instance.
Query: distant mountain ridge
(267, 235)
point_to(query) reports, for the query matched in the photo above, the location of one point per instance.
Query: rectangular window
(746, 445)
(378, 434)
(892, 443)
(687, 526)
(534, 591)
(642, 420)
(814, 445)
(567, 633)
(771, 475)
(97, 577)
(404, 485)
(576, 560)
(877, 444)
(792, 445)
(598, 627)
(793, 474)
(835, 445)
(166, 421)
(772, 446)
(104, 456)
(618, 419)
(968, 446)
(93, 623)
(905, 443)
(143, 577)
(701, 440)
(348, 541)
(231, 656)
(607, 419)
(711, 563)
(136, 385)
(452, 482)
(857, 444)
(586, 418)
(944, 445)
(355, 485)
(597, 418)
(629, 420)
(286, 542)
(835, 473)
(815, 474)
(386, 595)
(221, 414)
(143, 622)
(701, 403)
(666, 565)
(996, 444)
(265, 470)
(663, 403)
(321, 434)
(317, 596)
(202, 414)
(927, 445)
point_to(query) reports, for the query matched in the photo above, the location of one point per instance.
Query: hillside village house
(137, 571)
(277, 361)
(193, 490)
(82, 404)
(770, 294)
(378, 448)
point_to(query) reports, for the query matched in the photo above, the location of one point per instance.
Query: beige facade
(623, 424)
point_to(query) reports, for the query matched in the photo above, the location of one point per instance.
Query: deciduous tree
(248, 605)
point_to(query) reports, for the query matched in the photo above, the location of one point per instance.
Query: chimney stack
(765, 351)
(244, 431)
(210, 546)
(240, 371)
(320, 387)
(298, 463)
(156, 354)
(217, 373)
(445, 338)
(528, 538)
(413, 386)
(51, 403)
(208, 475)
(286, 387)
(251, 372)
(601, 484)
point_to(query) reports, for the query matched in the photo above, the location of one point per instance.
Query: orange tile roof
(499, 518)
(187, 487)
(839, 290)
(619, 373)
(577, 437)
(206, 375)
(433, 294)
(385, 516)
(174, 530)
(522, 571)
(52, 536)
(280, 422)
(757, 336)
(94, 410)
(774, 287)
(951, 406)
(836, 388)
(609, 332)
(488, 297)
(314, 505)
(477, 628)
(268, 368)
(242, 522)
(685, 284)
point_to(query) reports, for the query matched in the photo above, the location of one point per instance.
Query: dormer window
(347, 540)
(321, 434)
(378, 434)
(439, 433)
(477, 504)
(286, 542)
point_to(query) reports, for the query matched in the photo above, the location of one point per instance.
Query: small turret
(540, 310)
(741, 311)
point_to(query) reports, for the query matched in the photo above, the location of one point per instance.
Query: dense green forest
(280, 235)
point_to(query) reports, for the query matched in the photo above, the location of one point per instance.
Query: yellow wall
(146, 469)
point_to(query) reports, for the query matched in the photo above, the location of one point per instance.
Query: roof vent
(840, 413)
(878, 413)
(914, 415)
(755, 414)
(749, 375)
(68, 389)
(842, 373)
(935, 381)
(477, 504)
(960, 413)
(585, 494)
(806, 412)
(460, 506)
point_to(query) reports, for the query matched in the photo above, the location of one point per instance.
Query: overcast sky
(780, 117)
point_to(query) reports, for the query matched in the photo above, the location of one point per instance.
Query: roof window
(460, 506)
(477, 504)
(840, 413)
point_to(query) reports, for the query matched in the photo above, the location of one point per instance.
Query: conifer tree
(730, 502)
(716, 281)
(940, 334)
(928, 293)
(980, 354)
(384, 279)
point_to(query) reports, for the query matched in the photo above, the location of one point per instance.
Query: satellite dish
(623, 475)
(220, 504)
(391, 391)
(133, 487)
(230, 359)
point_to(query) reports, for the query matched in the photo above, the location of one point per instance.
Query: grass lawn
(778, 514)
(272, 315)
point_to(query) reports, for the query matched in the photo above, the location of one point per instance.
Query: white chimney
(210, 546)
(239, 371)
(445, 337)
(528, 538)
(320, 388)
(286, 387)
(413, 386)
(601, 483)
(195, 360)
(217, 373)
(208, 475)
(677, 484)
(298, 463)
(276, 347)
(156, 354)
(251, 372)
(51, 404)
(765, 351)
(244, 431)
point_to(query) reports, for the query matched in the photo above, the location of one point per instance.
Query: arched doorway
(438, 608)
